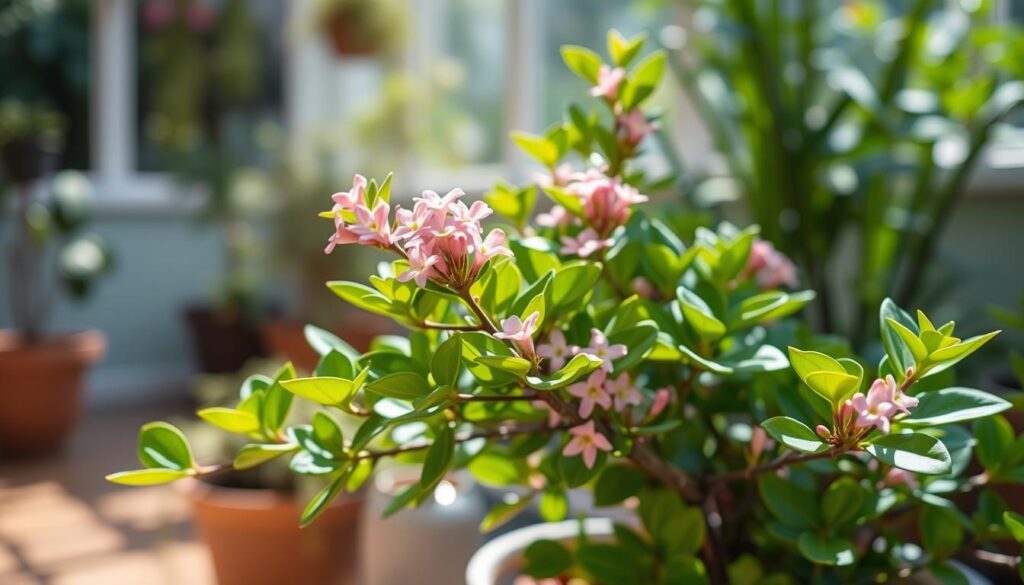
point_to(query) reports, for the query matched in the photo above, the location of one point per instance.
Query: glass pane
(466, 81)
(209, 78)
(45, 61)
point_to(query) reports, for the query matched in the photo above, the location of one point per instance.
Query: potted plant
(358, 27)
(46, 252)
(591, 347)
(247, 517)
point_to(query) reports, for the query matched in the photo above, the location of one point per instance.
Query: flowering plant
(592, 348)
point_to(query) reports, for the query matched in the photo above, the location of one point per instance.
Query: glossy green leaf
(639, 341)
(401, 385)
(153, 476)
(321, 500)
(827, 550)
(161, 445)
(794, 434)
(1015, 524)
(915, 452)
(439, 459)
(899, 354)
(617, 483)
(230, 419)
(909, 339)
(325, 390)
(546, 558)
(698, 315)
(582, 61)
(498, 469)
(553, 505)
(323, 342)
(514, 365)
(477, 344)
(949, 356)
(504, 511)
(580, 365)
(950, 405)
(257, 454)
(842, 502)
(572, 283)
(995, 437)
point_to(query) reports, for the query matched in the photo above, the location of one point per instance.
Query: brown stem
(774, 465)
(449, 327)
(495, 398)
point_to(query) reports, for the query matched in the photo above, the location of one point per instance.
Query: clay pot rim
(88, 345)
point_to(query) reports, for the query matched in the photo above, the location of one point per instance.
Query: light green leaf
(514, 365)
(322, 390)
(401, 385)
(438, 460)
(794, 434)
(321, 500)
(231, 420)
(154, 476)
(910, 339)
(257, 454)
(826, 550)
(161, 445)
(504, 511)
(1015, 523)
(949, 356)
(447, 361)
(580, 365)
(582, 61)
(538, 147)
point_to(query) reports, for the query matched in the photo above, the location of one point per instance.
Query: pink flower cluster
(598, 390)
(632, 127)
(558, 352)
(441, 237)
(769, 267)
(883, 401)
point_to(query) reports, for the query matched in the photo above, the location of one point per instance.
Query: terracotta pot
(30, 158)
(286, 338)
(254, 536)
(41, 390)
(500, 561)
(345, 36)
(222, 341)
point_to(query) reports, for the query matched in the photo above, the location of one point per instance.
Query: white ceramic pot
(429, 545)
(499, 561)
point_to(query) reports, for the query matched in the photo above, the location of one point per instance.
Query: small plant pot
(30, 158)
(254, 536)
(222, 340)
(41, 388)
(501, 560)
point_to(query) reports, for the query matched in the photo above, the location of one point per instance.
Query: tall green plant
(861, 118)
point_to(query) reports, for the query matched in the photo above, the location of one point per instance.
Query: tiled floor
(61, 523)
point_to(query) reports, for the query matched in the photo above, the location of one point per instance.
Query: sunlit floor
(61, 523)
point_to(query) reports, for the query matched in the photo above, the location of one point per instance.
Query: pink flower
(874, 410)
(634, 127)
(623, 392)
(556, 217)
(420, 266)
(585, 244)
(520, 332)
(662, 398)
(414, 223)
(643, 287)
(558, 178)
(587, 441)
(770, 267)
(759, 441)
(900, 400)
(341, 235)
(607, 202)
(896, 476)
(823, 432)
(373, 226)
(435, 201)
(491, 246)
(556, 350)
(608, 82)
(600, 348)
(592, 392)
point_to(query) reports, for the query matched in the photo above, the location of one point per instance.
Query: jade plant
(590, 348)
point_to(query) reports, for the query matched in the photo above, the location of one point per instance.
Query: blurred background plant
(358, 27)
(852, 126)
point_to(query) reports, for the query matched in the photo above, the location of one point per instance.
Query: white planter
(500, 560)
(429, 545)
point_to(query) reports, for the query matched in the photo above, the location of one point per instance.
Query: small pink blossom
(556, 217)
(600, 348)
(662, 398)
(874, 410)
(759, 441)
(558, 178)
(592, 393)
(770, 267)
(435, 201)
(634, 127)
(607, 201)
(556, 350)
(420, 266)
(823, 432)
(520, 332)
(643, 287)
(414, 223)
(623, 392)
(896, 476)
(491, 246)
(585, 244)
(608, 81)
(902, 401)
(586, 441)
(373, 227)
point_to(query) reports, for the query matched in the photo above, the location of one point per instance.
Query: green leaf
(538, 147)
(788, 502)
(639, 341)
(1015, 524)
(504, 511)
(948, 356)
(609, 564)
(498, 469)
(643, 80)
(572, 283)
(401, 385)
(950, 405)
(768, 306)
(794, 434)
(826, 550)
(683, 532)
(231, 420)
(576, 473)
(623, 50)
(258, 453)
(161, 445)
(553, 504)
(580, 365)
(698, 314)
(766, 358)
(563, 197)
(334, 364)
(535, 258)
(403, 499)
(842, 502)
(328, 434)
(909, 339)
(582, 61)
(514, 365)
(617, 483)
(323, 342)
(278, 402)
(899, 354)
(447, 361)
(321, 500)
(439, 459)
(323, 390)
(940, 530)
(477, 344)
(546, 559)
(825, 375)
(148, 476)
(915, 452)
(994, 436)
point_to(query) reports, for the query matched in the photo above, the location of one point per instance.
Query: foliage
(591, 347)
(862, 119)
